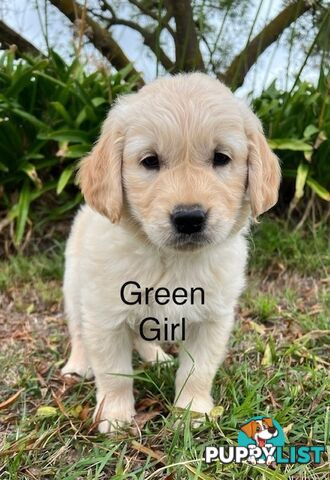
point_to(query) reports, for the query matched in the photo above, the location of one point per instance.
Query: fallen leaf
(75, 411)
(46, 411)
(147, 402)
(142, 418)
(160, 456)
(257, 327)
(10, 400)
(84, 413)
(216, 412)
(267, 358)
(288, 428)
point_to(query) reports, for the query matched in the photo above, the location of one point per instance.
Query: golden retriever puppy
(170, 185)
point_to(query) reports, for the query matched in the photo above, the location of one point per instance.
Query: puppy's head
(184, 159)
(262, 429)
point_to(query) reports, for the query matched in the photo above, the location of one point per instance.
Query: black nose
(188, 219)
(271, 429)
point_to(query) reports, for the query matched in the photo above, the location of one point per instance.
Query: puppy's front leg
(200, 356)
(110, 354)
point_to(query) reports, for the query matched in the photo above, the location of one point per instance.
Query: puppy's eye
(220, 159)
(151, 162)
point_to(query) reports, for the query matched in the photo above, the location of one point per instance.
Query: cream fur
(182, 119)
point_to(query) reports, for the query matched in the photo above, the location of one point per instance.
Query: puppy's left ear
(264, 174)
(268, 421)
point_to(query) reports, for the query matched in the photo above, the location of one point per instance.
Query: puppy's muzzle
(188, 219)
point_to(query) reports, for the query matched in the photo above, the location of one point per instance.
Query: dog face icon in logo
(260, 430)
(261, 435)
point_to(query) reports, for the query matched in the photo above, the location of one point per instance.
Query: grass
(304, 251)
(277, 365)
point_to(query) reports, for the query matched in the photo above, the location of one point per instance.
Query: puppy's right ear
(100, 173)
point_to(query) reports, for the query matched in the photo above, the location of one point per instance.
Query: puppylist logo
(261, 436)
(261, 441)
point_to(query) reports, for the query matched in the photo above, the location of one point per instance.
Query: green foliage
(19, 269)
(50, 115)
(274, 246)
(51, 112)
(298, 126)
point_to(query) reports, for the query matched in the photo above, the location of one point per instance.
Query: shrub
(298, 126)
(50, 115)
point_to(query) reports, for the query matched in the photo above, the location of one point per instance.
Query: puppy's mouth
(195, 241)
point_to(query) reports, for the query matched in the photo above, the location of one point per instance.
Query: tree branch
(150, 39)
(100, 38)
(9, 37)
(236, 72)
(188, 54)
(163, 21)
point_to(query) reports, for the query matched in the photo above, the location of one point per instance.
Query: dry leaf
(84, 413)
(216, 412)
(258, 327)
(267, 358)
(75, 411)
(10, 400)
(142, 418)
(45, 411)
(147, 402)
(288, 428)
(160, 456)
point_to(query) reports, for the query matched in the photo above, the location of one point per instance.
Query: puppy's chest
(171, 311)
(167, 322)
(175, 300)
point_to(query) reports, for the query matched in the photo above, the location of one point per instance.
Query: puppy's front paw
(80, 368)
(78, 363)
(112, 415)
(199, 406)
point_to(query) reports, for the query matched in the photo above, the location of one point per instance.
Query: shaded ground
(278, 364)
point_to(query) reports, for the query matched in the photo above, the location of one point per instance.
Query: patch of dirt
(29, 331)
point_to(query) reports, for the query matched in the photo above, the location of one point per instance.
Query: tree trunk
(188, 54)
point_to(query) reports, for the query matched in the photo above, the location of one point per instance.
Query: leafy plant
(298, 126)
(50, 115)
